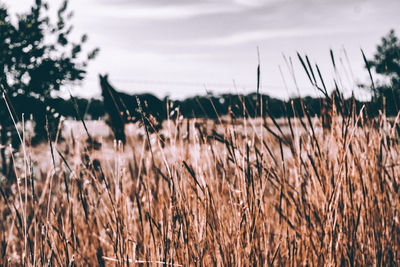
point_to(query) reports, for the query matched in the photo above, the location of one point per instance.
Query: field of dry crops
(202, 193)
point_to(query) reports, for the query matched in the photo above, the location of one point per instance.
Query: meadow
(226, 192)
(205, 181)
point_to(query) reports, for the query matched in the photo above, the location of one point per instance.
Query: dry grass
(198, 193)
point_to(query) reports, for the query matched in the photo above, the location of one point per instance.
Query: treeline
(252, 105)
(91, 108)
(211, 106)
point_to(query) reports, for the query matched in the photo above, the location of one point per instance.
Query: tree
(387, 59)
(37, 57)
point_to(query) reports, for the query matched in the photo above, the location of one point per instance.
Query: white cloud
(160, 12)
(254, 36)
(257, 3)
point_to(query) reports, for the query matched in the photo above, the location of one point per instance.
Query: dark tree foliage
(387, 59)
(386, 62)
(37, 57)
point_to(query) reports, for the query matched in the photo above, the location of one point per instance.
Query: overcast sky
(183, 47)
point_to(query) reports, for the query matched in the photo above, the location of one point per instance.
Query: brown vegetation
(197, 193)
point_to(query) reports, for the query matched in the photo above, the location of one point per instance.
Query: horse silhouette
(124, 108)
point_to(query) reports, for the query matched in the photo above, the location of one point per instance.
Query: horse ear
(103, 77)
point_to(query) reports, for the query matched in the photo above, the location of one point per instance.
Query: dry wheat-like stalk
(261, 192)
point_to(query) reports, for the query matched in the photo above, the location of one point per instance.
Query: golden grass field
(201, 193)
